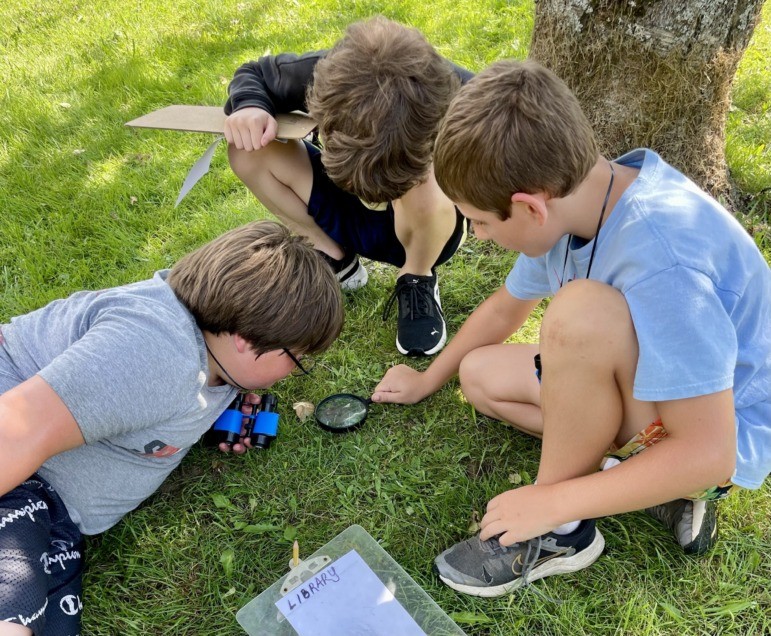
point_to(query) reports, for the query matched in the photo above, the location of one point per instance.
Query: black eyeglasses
(301, 369)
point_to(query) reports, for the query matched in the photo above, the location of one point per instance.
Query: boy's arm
(491, 323)
(699, 452)
(274, 83)
(34, 425)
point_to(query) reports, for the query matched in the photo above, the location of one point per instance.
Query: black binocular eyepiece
(262, 425)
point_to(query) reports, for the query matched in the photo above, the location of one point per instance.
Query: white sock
(567, 528)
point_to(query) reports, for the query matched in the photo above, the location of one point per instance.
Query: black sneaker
(694, 523)
(350, 273)
(420, 329)
(486, 568)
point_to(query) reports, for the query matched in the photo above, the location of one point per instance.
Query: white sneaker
(350, 273)
(353, 276)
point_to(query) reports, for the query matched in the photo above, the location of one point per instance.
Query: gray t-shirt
(131, 366)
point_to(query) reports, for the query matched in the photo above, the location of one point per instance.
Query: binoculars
(262, 426)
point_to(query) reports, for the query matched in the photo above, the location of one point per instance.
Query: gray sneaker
(694, 523)
(486, 568)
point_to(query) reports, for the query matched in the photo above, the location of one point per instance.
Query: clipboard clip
(300, 573)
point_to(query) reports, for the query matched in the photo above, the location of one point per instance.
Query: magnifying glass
(342, 412)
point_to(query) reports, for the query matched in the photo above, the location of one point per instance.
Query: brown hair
(515, 127)
(265, 284)
(378, 97)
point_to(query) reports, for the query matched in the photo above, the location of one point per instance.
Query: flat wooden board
(211, 119)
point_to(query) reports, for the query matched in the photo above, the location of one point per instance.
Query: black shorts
(356, 228)
(41, 561)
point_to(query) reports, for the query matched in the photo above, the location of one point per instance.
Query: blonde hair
(265, 284)
(515, 127)
(378, 97)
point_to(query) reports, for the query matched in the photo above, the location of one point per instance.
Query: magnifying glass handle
(368, 401)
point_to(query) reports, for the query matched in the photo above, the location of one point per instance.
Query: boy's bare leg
(500, 381)
(424, 220)
(13, 629)
(281, 177)
(589, 355)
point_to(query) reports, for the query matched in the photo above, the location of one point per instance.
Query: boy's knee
(286, 163)
(243, 162)
(471, 373)
(584, 311)
(274, 156)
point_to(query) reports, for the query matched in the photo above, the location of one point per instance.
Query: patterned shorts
(41, 561)
(652, 435)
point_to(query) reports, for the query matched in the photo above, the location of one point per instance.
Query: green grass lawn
(88, 203)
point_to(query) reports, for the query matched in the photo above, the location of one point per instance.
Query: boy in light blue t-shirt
(659, 343)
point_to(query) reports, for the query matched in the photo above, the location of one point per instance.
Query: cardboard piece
(211, 119)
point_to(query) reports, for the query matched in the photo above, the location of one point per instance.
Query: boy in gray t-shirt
(129, 378)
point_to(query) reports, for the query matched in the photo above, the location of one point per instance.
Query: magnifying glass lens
(341, 412)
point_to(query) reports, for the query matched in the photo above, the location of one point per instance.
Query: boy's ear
(240, 343)
(536, 204)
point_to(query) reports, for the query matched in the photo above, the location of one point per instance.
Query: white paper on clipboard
(346, 598)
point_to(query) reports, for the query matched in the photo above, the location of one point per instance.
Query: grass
(748, 149)
(88, 203)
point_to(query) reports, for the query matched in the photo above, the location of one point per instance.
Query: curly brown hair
(265, 284)
(515, 127)
(378, 97)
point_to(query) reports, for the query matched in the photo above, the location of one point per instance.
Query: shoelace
(419, 297)
(529, 561)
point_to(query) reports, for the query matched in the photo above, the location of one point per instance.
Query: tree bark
(652, 73)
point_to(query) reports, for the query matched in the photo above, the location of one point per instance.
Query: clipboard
(260, 615)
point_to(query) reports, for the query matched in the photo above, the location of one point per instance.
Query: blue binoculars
(262, 426)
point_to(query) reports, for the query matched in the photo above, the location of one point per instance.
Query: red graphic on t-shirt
(157, 448)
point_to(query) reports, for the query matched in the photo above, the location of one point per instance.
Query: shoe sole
(420, 352)
(439, 345)
(702, 543)
(563, 565)
(704, 517)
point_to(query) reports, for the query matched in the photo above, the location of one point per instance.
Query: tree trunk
(651, 73)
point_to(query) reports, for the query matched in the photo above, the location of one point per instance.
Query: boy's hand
(250, 128)
(519, 515)
(239, 448)
(402, 385)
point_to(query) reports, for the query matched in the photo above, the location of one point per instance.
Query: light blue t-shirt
(699, 292)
